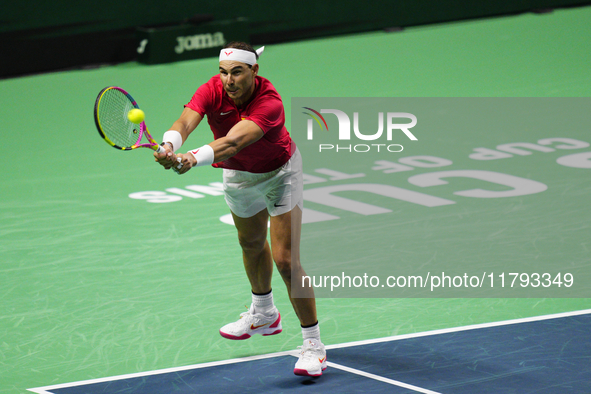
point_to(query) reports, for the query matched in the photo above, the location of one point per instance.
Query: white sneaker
(312, 360)
(253, 323)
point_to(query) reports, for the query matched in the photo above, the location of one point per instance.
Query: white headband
(240, 55)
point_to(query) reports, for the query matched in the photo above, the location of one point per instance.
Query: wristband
(203, 155)
(174, 138)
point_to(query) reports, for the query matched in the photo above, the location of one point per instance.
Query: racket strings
(112, 113)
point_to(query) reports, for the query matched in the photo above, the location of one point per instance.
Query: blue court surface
(543, 355)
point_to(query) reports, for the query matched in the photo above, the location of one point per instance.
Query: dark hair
(244, 46)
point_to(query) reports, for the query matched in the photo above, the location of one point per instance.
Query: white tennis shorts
(278, 191)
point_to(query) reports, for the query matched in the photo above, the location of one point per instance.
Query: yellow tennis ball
(136, 116)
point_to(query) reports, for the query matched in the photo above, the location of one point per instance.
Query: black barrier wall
(42, 35)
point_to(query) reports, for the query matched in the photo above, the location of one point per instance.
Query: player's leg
(285, 246)
(262, 317)
(286, 226)
(285, 203)
(256, 254)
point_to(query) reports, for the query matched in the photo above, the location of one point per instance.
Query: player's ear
(255, 69)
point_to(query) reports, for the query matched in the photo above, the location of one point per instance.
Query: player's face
(238, 79)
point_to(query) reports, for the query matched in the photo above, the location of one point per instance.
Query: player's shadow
(298, 382)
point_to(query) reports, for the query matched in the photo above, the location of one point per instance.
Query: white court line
(46, 389)
(462, 328)
(381, 378)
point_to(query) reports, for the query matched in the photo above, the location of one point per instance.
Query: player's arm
(243, 134)
(188, 122)
(185, 124)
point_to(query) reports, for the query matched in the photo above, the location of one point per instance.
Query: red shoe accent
(276, 324)
(241, 337)
(273, 333)
(303, 372)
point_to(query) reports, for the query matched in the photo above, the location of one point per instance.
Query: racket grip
(160, 149)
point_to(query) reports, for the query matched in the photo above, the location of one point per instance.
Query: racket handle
(160, 149)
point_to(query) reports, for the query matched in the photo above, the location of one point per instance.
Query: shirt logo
(225, 113)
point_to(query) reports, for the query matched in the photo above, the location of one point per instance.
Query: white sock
(263, 303)
(311, 332)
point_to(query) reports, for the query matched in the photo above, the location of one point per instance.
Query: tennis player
(262, 177)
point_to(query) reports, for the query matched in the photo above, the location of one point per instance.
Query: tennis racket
(110, 116)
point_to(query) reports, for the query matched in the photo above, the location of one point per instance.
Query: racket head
(110, 116)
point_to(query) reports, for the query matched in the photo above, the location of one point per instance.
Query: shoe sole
(246, 336)
(273, 329)
(303, 372)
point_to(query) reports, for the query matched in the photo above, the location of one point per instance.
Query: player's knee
(251, 244)
(283, 262)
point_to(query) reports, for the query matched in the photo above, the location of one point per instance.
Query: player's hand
(166, 159)
(185, 161)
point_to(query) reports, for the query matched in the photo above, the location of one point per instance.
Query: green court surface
(95, 283)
